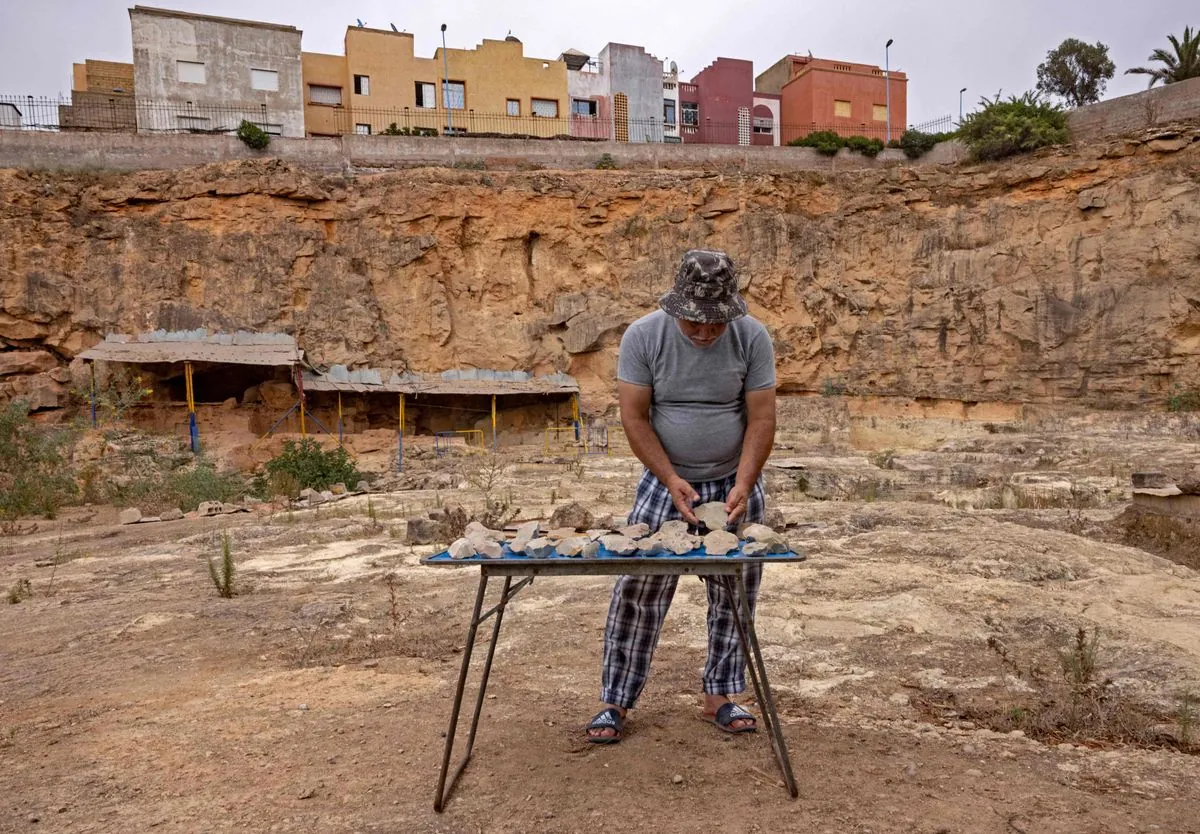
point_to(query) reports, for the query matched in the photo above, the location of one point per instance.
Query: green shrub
(825, 142)
(394, 130)
(1017, 125)
(917, 143)
(187, 488)
(223, 577)
(865, 146)
(1183, 401)
(34, 478)
(312, 467)
(253, 135)
(606, 162)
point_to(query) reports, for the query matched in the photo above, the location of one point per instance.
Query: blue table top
(605, 555)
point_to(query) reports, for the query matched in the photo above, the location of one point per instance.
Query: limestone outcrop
(1072, 275)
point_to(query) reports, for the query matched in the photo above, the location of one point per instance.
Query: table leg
(744, 620)
(444, 789)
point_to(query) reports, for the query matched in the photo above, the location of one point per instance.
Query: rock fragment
(620, 545)
(573, 515)
(712, 515)
(526, 533)
(461, 549)
(130, 516)
(574, 546)
(720, 542)
(539, 548)
(635, 531)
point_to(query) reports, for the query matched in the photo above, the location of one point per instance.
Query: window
(514, 107)
(841, 109)
(362, 85)
(879, 112)
(362, 130)
(764, 124)
(264, 80)
(669, 111)
(190, 72)
(690, 110)
(545, 107)
(454, 95)
(583, 107)
(426, 97)
(319, 94)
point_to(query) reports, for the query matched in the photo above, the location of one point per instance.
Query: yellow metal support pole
(493, 422)
(400, 437)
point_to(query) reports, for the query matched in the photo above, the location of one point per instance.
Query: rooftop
(167, 346)
(233, 21)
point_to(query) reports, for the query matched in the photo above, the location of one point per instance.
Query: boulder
(573, 515)
(423, 531)
(130, 516)
(173, 514)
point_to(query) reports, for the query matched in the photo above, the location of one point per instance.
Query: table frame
(727, 571)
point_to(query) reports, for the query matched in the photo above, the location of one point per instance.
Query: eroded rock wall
(1071, 276)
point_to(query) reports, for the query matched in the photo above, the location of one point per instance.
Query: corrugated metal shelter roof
(240, 348)
(368, 380)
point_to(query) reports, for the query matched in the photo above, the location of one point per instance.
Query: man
(696, 384)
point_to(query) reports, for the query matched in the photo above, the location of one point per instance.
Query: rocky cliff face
(1069, 276)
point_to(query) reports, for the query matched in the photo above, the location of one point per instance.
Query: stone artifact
(763, 533)
(765, 548)
(712, 515)
(525, 534)
(720, 542)
(679, 543)
(539, 549)
(560, 533)
(650, 546)
(597, 533)
(461, 549)
(620, 545)
(635, 531)
(485, 546)
(674, 526)
(574, 546)
(476, 527)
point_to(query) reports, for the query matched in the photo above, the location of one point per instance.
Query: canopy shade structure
(459, 382)
(162, 346)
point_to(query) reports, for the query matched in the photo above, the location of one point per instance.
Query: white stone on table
(761, 533)
(562, 533)
(635, 531)
(540, 548)
(574, 546)
(620, 545)
(526, 533)
(597, 533)
(673, 526)
(476, 527)
(650, 546)
(485, 546)
(720, 542)
(461, 549)
(679, 543)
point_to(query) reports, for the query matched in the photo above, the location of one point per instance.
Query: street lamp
(887, 79)
(446, 83)
(960, 92)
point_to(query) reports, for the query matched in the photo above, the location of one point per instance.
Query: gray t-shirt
(698, 406)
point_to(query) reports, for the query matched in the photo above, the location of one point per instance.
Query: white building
(196, 72)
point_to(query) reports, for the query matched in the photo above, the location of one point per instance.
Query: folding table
(726, 570)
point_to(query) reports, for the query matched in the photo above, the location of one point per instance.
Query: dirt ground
(133, 698)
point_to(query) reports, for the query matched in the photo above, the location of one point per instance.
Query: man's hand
(735, 502)
(684, 496)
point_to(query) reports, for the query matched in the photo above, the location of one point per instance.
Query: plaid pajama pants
(639, 605)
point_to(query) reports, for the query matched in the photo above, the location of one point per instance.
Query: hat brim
(703, 312)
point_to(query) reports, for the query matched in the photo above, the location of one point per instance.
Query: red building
(724, 103)
(850, 99)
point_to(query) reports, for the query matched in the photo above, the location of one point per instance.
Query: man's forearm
(756, 448)
(648, 448)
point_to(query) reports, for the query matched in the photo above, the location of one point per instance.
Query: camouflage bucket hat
(706, 289)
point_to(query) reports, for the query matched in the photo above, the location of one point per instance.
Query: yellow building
(101, 97)
(380, 82)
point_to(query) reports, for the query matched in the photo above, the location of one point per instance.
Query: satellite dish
(674, 68)
(393, 25)
(360, 23)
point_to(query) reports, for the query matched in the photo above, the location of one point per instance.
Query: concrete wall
(1127, 114)
(639, 75)
(726, 87)
(229, 50)
(134, 152)
(325, 71)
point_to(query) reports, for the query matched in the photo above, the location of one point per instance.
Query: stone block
(131, 515)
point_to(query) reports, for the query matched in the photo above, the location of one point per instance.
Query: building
(589, 94)
(671, 105)
(725, 99)
(619, 95)
(380, 85)
(850, 99)
(765, 119)
(101, 97)
(195, 72)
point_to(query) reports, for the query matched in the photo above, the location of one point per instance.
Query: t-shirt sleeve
(760, 371)
(633, 361)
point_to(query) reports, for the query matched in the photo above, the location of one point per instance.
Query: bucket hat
(706, 289)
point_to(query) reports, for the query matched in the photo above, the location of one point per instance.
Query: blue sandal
(609, 719)
(729, 712)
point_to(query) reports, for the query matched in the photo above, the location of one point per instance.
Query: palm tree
(1185, 63)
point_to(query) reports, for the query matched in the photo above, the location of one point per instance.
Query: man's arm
(635, 419)
(756, 448)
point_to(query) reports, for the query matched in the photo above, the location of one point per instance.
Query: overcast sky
(942, 45)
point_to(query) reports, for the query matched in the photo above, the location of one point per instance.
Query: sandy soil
(133, 698)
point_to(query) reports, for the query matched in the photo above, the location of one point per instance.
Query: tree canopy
(1179, 64)
(1076, 71)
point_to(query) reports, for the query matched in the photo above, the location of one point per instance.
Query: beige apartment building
(380, 82)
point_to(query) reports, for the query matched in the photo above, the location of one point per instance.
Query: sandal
(609, 719)
(729, 712)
